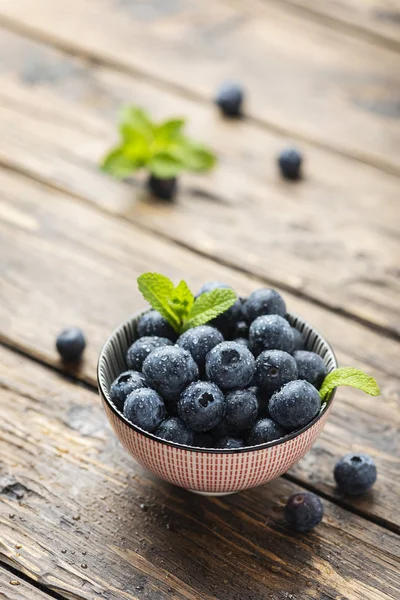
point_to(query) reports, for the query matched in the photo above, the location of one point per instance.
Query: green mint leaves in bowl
(161, 148)
(348, 376)
(178, 305)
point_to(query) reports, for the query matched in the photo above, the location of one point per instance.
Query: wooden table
(79, 519)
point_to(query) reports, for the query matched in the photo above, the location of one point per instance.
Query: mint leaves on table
(178, 305)
(162, 148)
(351, 377)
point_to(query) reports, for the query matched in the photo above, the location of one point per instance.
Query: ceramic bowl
(202, 470)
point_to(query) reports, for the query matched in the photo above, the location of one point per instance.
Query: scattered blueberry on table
(355, 474)
(219, 371)
(70, 344)
(229, 99)
(290, 161)
(304, 511)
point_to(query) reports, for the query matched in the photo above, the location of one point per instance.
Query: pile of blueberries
(242, 380)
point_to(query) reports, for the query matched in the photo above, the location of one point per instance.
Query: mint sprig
(350, 377)
(162, 148)
(178, 305)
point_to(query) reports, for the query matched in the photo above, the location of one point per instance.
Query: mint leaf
(118, 164)
(165, 165)
(156, 289)
(351, 377)
(181, 300)
(208, 306)
(194, 157)
(134, 120)
(169, 130)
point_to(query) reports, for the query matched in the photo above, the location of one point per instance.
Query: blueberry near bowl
(207, 413)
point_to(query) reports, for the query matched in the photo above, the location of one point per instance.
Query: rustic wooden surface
(78, 518)
(13, 588)
(121, 533)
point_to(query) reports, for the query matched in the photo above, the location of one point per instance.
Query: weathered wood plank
(302, 77)
(62, 262)
(377, 18)
(14, 588)
(334, 237)
(119, 533)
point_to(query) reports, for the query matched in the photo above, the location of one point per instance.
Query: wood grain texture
(333, 237)
(302, 77)
(379, 19)
(62, 263)
(119, 533)
(14, 588)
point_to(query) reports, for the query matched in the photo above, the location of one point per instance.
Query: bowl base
(211, 493)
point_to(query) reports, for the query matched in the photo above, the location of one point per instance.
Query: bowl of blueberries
(222, 406)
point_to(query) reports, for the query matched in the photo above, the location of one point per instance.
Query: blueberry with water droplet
(274, 368)
(145, 408)
(295, 405)
(124, 384)
(230, 365)
(141, 348)
(202, 406)
(270, 332)
(152, 323)
(169, 370)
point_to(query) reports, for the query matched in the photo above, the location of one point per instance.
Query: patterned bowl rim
(105, 396)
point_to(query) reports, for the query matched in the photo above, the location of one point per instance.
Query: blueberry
(175, 430)
(230, 99)
(153, 323)
(230, 443)
(202, 406)
(241, 329)
(230, 365)
(165, 189)
(310, 367)
(295, 405)
(212, 285)
(355, 474)
(270, 332)
(203, 440)
(303, 511)
(264, 430)
(145, 408)
(298, 339)
(241, 410)
(169, 370)
(199, 341)
(70, 344)
(245, 342)
(225, 322)
(289, 162)
(264, 302)
(123, 385)
(141, 348)
(274, 368)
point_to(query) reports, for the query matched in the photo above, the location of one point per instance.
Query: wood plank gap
(163, 83)
(340, 24)
(270, 281)
(32, 582)
(66, 373)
